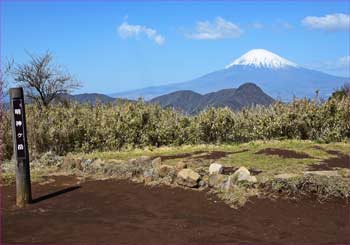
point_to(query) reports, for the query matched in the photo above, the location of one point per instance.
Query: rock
(72, 163)
(285, 176)
(156, 162)
(202, 171)
(168, 180)
(242, 174)
(252, 179)
(217, 180)
(202, 184)
(326, 173)
(215, 168)
(166, 170)
(180, 165)
(148, 175)
(97, 164)
(188, 177)
(232, 180)
(229, 184)
(263, 180)
(144, 159)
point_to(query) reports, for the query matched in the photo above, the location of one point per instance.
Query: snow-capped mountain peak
(262, 58)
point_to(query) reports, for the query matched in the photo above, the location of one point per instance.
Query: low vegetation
(74, 127)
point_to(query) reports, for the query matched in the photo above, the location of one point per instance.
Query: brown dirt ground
(183, 155)
(340, 160)
(283, 153)
(116, 212)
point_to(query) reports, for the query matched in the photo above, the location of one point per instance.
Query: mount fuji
(280, 78)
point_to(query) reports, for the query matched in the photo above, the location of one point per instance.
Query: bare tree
(43, 81)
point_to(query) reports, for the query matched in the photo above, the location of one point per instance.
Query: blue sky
(114, 46)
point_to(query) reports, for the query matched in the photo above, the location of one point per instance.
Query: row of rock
(150, 170)
(153, 171)
(190, 178)
(180, 173)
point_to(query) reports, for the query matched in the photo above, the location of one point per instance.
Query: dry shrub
(75, 127)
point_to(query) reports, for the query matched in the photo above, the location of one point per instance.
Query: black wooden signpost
(20, 147)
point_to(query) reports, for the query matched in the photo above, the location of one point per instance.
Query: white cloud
(339, 66)
(218, 29)
(126, 30)
(257, 25)
(330, 22)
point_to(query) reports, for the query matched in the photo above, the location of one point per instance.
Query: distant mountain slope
(90, 98)
(246, 95)
(185, 100)
(277, 76)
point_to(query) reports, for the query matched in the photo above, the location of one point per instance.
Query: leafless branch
(43, 81)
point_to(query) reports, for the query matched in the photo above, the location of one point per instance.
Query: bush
(110, 127)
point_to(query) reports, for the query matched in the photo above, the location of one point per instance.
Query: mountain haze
(277, 76)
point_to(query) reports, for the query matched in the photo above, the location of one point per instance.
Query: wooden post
(20, 148)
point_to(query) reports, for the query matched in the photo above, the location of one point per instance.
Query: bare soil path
(115, 212)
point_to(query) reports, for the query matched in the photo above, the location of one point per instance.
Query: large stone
(180, 165)
(166, 170)
(326, 173)
(217, 180)
(188, 177)
(215, 168)
(241, 174)
(156, 162)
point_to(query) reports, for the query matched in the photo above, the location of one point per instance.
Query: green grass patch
(273, 164)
